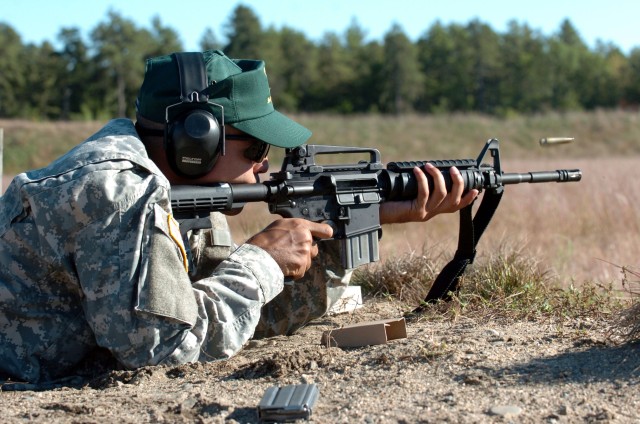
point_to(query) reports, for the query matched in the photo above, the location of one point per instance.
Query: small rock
(188, 404)
(252, 344)
(449, 398)
(563, 410)
(472, 380)
(493, 333)
(601, 415)
(505, 410)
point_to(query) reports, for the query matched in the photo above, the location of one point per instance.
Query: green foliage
(245, 34)
(632, 87)
(400, 75)
(121, 49)
(450, 68)
(12, 81)
(209, 41)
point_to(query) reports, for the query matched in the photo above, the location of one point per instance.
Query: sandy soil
(462, 370)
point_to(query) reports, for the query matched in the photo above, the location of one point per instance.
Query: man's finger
(314, 250)
(320, 230)
(468, 198)
(457, 186)
(439, 186)
(423, 187)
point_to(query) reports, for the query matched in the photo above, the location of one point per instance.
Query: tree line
(450, 68)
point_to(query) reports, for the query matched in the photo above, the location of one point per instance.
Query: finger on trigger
(320, 230)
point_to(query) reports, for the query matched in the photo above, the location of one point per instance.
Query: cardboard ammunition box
(366, 333)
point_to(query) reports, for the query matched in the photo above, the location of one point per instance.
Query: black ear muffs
(195, 138)
(193, 143)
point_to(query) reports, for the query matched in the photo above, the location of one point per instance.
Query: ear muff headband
(195, 138)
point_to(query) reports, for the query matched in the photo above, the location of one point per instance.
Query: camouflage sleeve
(141, 303)
(308, 298)
(232, 299)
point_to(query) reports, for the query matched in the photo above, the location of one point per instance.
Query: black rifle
(347, 196)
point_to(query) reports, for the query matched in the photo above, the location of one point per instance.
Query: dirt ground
(460, 371)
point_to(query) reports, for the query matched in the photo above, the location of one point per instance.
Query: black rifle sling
(471, 229)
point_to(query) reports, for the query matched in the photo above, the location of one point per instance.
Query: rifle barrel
(560, 176)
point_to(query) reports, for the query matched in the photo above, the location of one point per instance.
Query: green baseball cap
(240, 86)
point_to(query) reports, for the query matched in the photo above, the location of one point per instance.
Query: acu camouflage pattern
(300, 301)
(308, 298)
(87, 260)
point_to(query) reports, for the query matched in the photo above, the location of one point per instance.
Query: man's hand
(427, 205)
(290, 242)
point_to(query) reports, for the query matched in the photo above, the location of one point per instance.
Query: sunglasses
(257, 151)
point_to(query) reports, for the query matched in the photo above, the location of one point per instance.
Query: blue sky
(614, 21)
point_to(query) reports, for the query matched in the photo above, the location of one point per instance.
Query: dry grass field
(579, 231)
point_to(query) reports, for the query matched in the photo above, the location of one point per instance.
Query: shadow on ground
(586, 362)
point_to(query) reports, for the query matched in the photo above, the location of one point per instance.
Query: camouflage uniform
(300, 301)
(91, 257)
